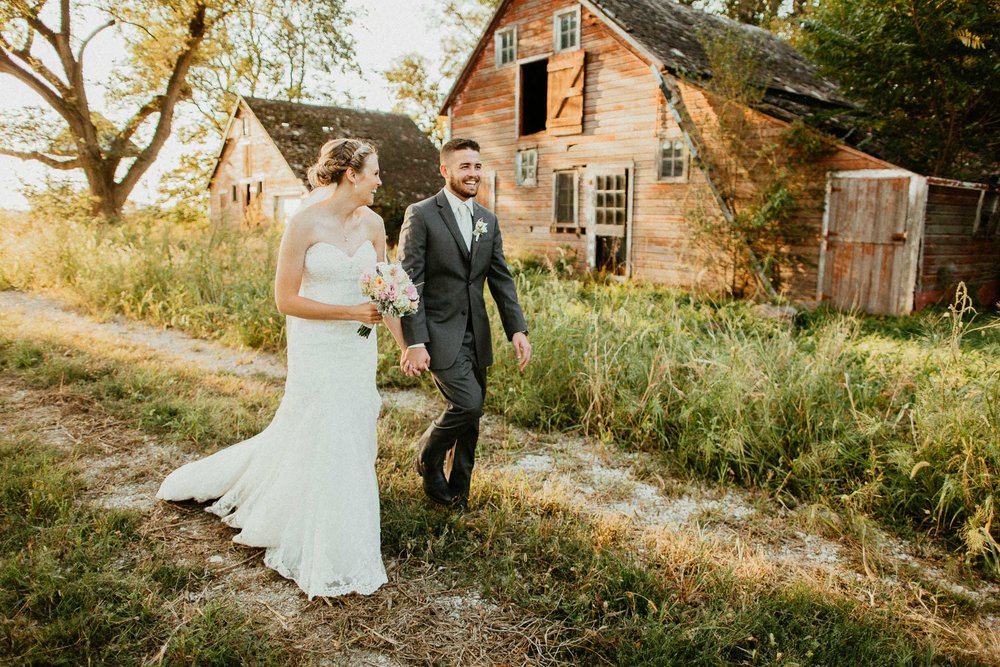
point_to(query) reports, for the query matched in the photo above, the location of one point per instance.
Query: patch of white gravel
(533, 463)
(455, 605)
(360, 659)
(810, 549)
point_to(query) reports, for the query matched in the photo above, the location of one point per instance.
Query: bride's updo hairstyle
(336, 157)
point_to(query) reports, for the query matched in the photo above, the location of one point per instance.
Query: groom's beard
(460, 187)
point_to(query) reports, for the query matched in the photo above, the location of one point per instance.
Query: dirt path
(751, 534)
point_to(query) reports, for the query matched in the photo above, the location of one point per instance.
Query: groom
(451, 246)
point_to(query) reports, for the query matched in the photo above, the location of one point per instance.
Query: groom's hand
(414, 361)
(522, 349)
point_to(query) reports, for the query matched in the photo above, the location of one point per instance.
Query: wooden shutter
(565, 98)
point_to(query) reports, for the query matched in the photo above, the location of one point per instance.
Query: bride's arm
(378, 240)
(288, 279)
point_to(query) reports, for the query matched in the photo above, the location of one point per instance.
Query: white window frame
(558, 225)
(557, 29)
(685, 158)
(498, 45)
(518, 175)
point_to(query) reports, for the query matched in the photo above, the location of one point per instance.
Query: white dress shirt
(462, 211)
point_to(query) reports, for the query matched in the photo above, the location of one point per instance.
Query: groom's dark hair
(458, 145)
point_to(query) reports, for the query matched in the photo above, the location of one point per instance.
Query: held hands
(414, 361)
(522, 350)
(367, 314)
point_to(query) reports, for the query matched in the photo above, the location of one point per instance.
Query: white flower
(479, 229)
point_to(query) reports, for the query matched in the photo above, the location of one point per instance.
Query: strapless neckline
(343, 252)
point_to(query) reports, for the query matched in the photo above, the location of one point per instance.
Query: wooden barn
(601, 137)
(260, 173)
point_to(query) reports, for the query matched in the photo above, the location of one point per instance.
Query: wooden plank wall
(951, 253)
(266, 164)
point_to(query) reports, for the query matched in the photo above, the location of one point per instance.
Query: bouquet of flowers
(391, 290)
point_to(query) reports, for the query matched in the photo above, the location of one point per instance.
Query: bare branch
(79, 53)
(41, 157)
(41, 70)
(8, 66)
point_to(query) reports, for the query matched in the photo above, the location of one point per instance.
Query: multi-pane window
(567, 30)
(609, 199)
(527, 166)
(506, 46)
(672, 158)
(564, 203)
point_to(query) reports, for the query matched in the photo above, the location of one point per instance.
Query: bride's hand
(367, 313)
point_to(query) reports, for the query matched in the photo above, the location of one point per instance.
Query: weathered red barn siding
(951, 253)
(266, 165)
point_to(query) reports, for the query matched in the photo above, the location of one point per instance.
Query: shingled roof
(407, 158)
(674, 34)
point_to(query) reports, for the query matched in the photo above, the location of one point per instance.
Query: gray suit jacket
(450, 280)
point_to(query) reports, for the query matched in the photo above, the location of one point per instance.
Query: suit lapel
(444, 210)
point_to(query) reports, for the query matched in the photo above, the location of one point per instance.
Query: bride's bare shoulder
(302, 224)
(371, 219)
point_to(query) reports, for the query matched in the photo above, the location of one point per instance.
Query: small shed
(260, 172)
(894, 241)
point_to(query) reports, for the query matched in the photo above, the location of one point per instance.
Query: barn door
(608, 193)
(564, 103)
(871, 239)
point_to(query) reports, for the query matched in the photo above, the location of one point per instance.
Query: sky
(385, 30)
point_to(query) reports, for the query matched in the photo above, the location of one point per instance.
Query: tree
(178, 52)
(926, 72)
(418, 90)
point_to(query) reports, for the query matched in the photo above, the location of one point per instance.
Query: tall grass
(897, 418)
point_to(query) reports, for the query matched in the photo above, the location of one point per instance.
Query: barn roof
(676, 34)
(672, 35)
(407, 158)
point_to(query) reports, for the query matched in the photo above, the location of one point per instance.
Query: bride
(305, 487)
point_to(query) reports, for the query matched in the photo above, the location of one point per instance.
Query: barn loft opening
(534, 96)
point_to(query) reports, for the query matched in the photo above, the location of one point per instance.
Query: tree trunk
(108, 199)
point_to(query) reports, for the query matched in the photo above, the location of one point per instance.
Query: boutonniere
(479, 229)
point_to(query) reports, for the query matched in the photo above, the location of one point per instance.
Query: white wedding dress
(305, 487)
